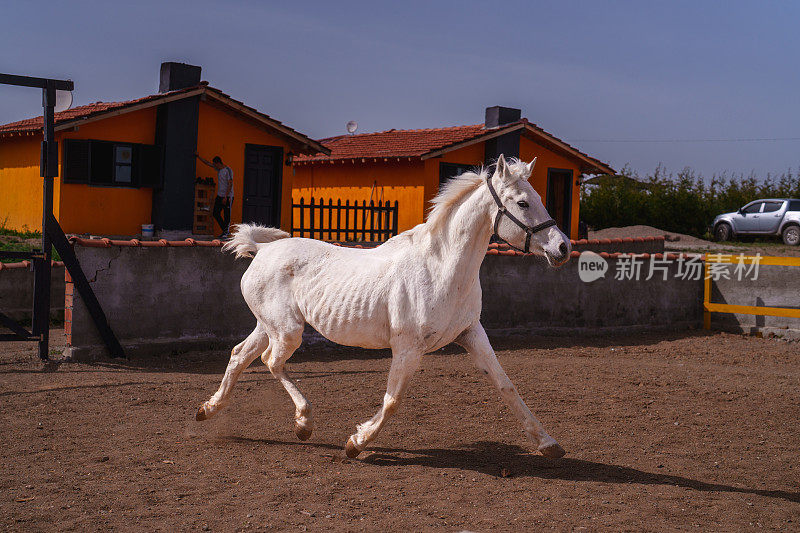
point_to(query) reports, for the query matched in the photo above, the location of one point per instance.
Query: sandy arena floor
(663, 432)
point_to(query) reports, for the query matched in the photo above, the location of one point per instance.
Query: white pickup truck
(773, 216)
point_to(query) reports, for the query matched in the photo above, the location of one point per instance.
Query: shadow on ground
(504, 460)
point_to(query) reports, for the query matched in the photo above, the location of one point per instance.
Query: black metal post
(48, 171)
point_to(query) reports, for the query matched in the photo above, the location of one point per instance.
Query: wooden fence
(359, 222)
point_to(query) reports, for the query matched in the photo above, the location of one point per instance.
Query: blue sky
(585, 71)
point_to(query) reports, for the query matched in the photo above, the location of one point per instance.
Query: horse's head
(533, 229)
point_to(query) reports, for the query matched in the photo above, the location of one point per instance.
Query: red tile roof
(98, 109)
(394, 143)
(425, 143)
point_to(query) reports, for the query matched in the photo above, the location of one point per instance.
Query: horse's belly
(360, 335)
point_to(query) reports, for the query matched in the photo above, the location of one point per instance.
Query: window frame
(759, 203)
(778, 202)
(95, 177)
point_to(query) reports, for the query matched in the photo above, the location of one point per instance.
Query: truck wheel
(791, 235)
(723, 232)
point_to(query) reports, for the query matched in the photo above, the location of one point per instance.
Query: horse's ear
(502, 168)
(530, 166)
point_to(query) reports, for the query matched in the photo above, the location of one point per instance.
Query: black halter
(501, 210)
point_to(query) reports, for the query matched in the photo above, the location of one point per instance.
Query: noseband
(501, 211)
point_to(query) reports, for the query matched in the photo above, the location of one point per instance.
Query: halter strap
(502, 211)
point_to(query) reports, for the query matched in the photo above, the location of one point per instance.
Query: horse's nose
(562, 248)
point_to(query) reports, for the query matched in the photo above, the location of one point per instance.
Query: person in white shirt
(222, 204)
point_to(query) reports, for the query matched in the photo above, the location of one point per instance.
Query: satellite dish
(63, 101)
(352, 126)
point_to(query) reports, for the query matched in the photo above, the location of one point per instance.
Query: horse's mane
(455, 191)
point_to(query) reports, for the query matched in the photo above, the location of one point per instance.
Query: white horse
(416, 293)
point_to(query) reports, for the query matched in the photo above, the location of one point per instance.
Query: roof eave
(373, 158)
(102, 115)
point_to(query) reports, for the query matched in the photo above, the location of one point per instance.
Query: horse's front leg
(475, 341)
(404, 364)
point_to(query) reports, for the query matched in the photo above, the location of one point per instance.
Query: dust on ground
(663, 432)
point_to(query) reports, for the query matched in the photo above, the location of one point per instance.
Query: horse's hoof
(302, 433)
(350, 449)
(201, 414)
(553, 451)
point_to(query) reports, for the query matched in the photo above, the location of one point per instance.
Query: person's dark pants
(222, 213)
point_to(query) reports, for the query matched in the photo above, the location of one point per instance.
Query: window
(752, 208)
(771, 207)
(794, 205)
(451, 170)
(123, 160)
(108, 164)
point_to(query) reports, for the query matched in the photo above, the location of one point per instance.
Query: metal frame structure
(52, 236)
(712, 307)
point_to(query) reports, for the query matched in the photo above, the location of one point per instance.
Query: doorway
(262, 185)
(559, 197)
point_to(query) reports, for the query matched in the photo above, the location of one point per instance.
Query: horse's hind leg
(475, 341)
(241, 356)
(404, 364)
(280, 350)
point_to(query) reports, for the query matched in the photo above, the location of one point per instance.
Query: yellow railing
(709, 307)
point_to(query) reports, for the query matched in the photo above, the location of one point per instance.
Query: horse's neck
(459, 246)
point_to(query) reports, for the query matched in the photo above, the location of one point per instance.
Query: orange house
(124, 164)
(407, 166)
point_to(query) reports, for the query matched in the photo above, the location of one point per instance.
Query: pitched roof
(101, 110)
(393, 143)
(428, 143)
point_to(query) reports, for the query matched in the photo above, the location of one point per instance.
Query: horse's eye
(523, 204)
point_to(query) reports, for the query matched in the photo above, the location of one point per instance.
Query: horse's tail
(247, 237)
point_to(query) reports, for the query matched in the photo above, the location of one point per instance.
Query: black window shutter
(102, 166)
(149, 168)
(75, 162)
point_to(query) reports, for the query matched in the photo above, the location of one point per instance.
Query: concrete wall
(166, 298)
(776, 286)
(525, 293)
(16, 292)
(159, 299)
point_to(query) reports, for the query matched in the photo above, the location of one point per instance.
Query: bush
(682, 203)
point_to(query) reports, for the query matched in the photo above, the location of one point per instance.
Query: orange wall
(384, 180)
(224, 134)
(414, 183)
(546, 159)
(78, 208)
(109, 210)
(20, 184)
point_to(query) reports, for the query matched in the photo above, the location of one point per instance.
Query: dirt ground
(766, 246)
(663, 432)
